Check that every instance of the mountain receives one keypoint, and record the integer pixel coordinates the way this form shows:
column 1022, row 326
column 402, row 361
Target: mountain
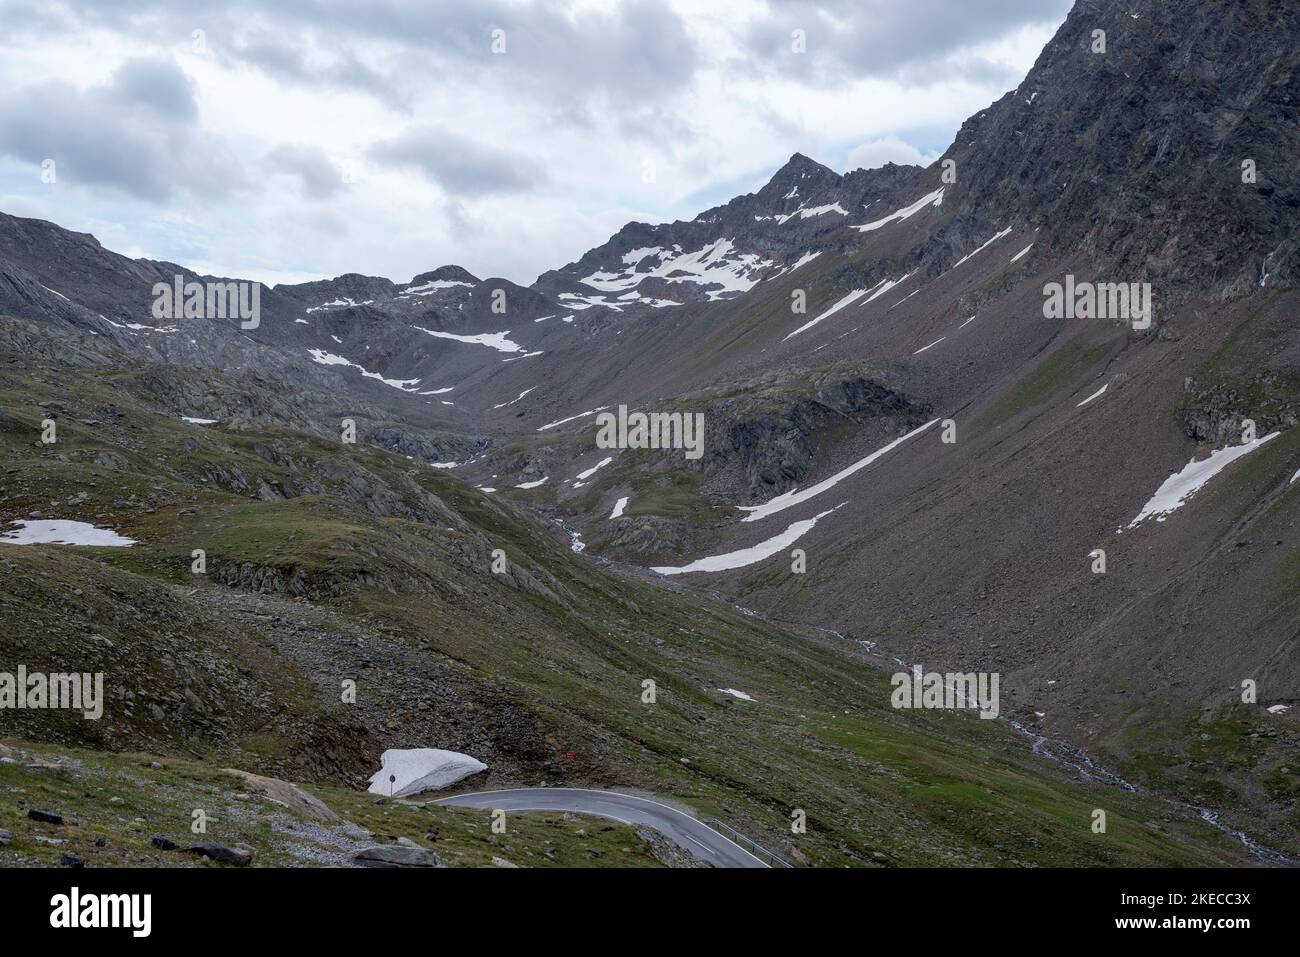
column 724, row 252
column 952, row 464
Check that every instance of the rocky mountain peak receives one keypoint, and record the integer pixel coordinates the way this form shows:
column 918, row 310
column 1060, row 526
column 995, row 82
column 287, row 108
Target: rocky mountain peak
column 1129, row 140
column 445, row 274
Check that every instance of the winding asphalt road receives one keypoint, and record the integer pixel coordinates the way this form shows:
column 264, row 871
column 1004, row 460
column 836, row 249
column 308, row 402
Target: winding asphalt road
column 682, row 829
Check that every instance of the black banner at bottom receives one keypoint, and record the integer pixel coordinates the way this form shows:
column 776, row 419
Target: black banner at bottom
column 373, row 906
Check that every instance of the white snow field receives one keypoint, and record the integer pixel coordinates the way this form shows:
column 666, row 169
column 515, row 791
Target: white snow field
column 752, row 555
column 805, row 259
column 1096, row 395
column 932, row 199
column 718, row 262
column 970, row 256
column 804, row 212
column 1181, row 486
column 795, row 497
column 421, row 769
column 736, row 694
column 885, row 286
column 583, row 476
column 572, row 418
column 321, row 357
column 499, row 341
column 619, row 507
column 429, row 288
column 846, row 301
column 60, row 532
column 339, row 304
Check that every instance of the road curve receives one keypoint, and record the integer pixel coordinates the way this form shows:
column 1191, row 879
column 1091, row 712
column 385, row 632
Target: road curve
column 682, row 829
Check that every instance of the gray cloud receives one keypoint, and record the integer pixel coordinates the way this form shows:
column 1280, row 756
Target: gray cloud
column 137, row 133
column 156, row 85
column 886, row 38
column 637, row 52
column 285, row 60
column 320, row 178
column 460, row 166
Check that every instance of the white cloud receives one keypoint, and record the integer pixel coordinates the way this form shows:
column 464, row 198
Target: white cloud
column 887, row 149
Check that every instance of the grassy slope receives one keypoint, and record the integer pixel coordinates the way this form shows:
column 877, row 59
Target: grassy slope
column 905, row 788
column 125, row 799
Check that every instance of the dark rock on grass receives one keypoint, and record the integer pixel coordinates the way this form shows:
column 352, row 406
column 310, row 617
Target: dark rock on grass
column 71, row 860
column 45, row 817
column 396, row 856
column 163, row 843
column 222, row 855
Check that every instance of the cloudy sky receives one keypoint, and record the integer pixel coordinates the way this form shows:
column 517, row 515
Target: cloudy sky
column 307, row 138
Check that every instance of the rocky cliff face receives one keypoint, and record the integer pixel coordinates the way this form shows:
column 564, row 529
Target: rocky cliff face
column 770, row 437
column 1168, row 157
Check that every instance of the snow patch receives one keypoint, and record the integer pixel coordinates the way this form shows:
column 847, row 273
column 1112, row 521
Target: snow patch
column 750, row 556
column 619, row 507
column 575, row 301
column 805, row 259
column 499, row 341
column 583, row 476
column 515, row 399
column 572, row 418
column 805, row 213
column 736, row 694
column 429, row 288
column 931, row 199
column 795, row 497
column 321, row 357
column 421, row 769
column 848, row 300
column 968, row 256
column 1181, row 486
column 1096, row 395
column 887, row 285
column 60, row 532
column 718, row 263
column 338, row 304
